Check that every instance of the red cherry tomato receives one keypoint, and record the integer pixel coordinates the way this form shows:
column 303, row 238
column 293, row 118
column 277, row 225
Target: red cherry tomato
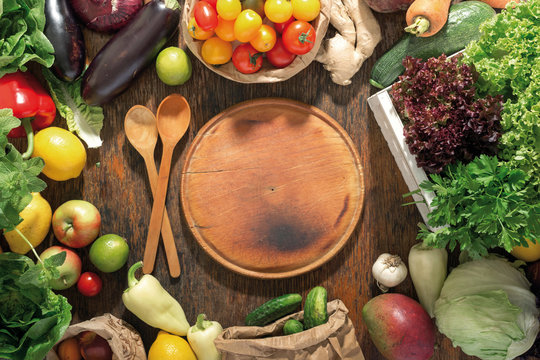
column 205, row 15
column 89, row 284
column 299, row 37
column 280, row 57
column 212, row 2
column 246, row 59
column 280, row 27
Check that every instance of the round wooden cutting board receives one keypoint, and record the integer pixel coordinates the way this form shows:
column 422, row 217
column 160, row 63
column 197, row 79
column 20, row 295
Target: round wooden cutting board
column 272, row 188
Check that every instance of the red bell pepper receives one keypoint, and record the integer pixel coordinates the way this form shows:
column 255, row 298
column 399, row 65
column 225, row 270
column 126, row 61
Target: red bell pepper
column 22, row 93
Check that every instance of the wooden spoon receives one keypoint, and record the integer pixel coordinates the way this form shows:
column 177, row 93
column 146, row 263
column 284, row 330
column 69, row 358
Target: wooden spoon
column 141, row 131
column 173, row 117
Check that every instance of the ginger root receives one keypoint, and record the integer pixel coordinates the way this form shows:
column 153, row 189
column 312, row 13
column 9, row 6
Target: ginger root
column 358, row 34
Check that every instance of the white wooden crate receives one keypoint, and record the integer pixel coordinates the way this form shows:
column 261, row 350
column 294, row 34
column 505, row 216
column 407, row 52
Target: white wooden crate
column 392, row 129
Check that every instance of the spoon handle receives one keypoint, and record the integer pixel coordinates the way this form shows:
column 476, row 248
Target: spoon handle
column 157, row 209
column 166, row 230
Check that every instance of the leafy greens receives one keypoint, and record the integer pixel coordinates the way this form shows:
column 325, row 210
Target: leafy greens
column 21, row 35
column 487, row 309
column 507, row 58
column 32, row 317
column 82, row 118
column 17, row 176
column 484, row 205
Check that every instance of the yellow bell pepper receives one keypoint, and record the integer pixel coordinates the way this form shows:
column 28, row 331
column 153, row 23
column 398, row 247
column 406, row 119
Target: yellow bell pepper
column 35, row 225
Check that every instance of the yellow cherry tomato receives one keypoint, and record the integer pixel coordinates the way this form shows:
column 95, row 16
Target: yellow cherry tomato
column 225, row 29
column 528, row 254
column 228, row 9
column 306, row 10
column 63, row 153
column 196, row 32
column 216, row 51
column 247, row 25
column 265, row 39
column 278, row 11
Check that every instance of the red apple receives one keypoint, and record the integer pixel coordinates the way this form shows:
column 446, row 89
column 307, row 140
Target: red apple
column 70, row 270
column 76, row 223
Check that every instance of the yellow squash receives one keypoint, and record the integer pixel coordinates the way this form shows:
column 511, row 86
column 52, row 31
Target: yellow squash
column 35, row 225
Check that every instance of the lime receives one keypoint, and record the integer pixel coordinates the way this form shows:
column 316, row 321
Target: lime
column 109, row 252
column 173, row 66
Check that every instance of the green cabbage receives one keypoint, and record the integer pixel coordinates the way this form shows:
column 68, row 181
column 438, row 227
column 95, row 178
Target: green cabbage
column 487, row 309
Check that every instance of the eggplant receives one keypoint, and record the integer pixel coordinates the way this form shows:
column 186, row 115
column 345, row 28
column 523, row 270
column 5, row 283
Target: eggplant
column 65, row 35
column 129, row 51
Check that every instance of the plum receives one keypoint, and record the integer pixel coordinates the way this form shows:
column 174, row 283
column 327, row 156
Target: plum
column 386, row 6
column 400, row 327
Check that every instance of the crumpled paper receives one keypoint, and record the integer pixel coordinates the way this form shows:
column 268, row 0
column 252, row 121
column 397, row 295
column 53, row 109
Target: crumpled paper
column 124, row 340
column 334, row 340
column 267, row 74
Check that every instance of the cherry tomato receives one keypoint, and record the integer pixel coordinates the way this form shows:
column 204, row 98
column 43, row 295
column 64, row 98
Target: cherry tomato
column 265, row 39
column 247, row 25
column 280, row 57
column 225, row 29
column 246, row 59
column 196, row 32
column 299, row 37
column 255, row 5
column 280, row 27
column 228, row 9
column 278, row 11
column 89, row 284
column 205, row 15
column 212, row 2
column 306, row 10
column 216, row 51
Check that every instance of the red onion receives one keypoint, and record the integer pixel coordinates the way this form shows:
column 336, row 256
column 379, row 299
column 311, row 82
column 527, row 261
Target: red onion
column 106, row 15
column 94, row 347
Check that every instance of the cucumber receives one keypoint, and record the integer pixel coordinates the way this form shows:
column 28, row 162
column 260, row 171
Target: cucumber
column 274, row 309
column 292, row 326
column 315, row 312
column 461, row 28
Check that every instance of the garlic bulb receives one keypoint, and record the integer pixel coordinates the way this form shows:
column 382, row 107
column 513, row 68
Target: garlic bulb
column 389, row 271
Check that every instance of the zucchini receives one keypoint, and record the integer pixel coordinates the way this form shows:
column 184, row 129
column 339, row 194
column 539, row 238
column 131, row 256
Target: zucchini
column 274, row 309
column 292, row 326
column 462, row 27
column 315, row 312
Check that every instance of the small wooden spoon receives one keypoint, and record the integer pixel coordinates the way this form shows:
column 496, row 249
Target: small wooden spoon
column 173, row 118
column 141, row 131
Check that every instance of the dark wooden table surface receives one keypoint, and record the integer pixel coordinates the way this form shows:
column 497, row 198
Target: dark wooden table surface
column 120, row 190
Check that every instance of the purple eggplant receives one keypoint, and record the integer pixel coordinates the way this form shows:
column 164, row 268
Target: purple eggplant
column 129, row 51
column 65, row 35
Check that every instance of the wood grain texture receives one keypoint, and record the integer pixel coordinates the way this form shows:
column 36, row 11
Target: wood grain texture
column 272, row 188
column 120, row 190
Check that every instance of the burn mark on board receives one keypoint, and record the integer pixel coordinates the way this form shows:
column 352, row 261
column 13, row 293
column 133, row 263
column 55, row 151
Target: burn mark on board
column 343, row 210
column 287, row 234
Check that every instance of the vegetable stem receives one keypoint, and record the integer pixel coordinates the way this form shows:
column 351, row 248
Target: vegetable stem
column 132, row 280
column 172, row 4
column 200, row 322
column 30, row 136
column 420, row 25
column 30, row 244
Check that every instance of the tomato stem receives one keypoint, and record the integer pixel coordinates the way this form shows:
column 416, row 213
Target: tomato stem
column 303, row 38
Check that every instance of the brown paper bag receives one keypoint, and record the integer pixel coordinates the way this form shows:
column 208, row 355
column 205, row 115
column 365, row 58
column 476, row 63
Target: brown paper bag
column 267, row 74
column 334, row 340
column 124, row 340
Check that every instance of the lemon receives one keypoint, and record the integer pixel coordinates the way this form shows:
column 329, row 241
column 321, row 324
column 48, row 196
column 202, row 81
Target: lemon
column 63, row 153
column 35, row 225
column 170, row 347
column 528, row 254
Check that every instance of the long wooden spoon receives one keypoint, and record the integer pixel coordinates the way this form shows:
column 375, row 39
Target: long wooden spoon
column 141, row 131
column 173, row 118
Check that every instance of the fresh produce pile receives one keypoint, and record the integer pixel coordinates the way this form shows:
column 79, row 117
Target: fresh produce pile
column 224, row 23
column 482, row 201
